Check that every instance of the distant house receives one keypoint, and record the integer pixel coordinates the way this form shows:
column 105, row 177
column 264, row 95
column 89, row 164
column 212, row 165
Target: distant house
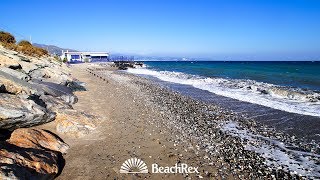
column 73, row 57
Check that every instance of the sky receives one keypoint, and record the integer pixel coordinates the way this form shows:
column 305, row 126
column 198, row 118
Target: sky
column 217, row 29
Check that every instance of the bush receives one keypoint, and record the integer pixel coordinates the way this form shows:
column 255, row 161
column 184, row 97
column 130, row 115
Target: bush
column 10, row 46
column 42, row 51
column 57, row 58
column 27, row 48
column 7, row 38
column 65, row 59
column 24, row 43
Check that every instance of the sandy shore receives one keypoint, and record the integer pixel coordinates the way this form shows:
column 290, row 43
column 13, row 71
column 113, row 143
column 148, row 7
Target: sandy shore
column 140, row 119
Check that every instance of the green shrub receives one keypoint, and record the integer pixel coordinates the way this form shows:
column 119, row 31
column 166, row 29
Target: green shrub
column 65, row 59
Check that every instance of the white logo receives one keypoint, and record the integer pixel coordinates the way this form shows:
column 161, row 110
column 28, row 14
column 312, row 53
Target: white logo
column 181, row 168
column 134, row 165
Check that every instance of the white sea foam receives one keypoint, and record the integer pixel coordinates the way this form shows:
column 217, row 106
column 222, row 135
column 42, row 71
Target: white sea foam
column 275, row 152
column 269, row 95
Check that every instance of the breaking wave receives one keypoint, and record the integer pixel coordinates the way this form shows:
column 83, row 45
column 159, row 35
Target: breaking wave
column 292, row 100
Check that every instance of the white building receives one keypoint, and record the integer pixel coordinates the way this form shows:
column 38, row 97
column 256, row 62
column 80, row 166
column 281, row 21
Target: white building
column 85, row 56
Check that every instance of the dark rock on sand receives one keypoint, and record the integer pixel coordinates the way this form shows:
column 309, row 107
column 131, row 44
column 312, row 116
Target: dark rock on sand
column 76, row 86
column 55, row 104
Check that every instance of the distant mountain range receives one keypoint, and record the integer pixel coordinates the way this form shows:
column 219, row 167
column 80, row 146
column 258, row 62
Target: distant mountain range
column 55, row 50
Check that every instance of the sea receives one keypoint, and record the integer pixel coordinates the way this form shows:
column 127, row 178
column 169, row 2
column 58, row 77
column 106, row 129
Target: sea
column 285, row 95
column 282, row 95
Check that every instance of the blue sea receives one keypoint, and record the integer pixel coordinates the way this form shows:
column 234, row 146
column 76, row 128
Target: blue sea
column 305, row 75
column 287, row 86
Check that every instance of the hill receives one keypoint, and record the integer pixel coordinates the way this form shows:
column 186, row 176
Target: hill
column 53, row 49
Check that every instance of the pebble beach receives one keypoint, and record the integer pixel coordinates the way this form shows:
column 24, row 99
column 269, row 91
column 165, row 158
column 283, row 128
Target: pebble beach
column 146, row 120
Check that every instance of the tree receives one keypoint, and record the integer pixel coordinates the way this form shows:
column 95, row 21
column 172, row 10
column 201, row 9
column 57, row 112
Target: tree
column 65, row 59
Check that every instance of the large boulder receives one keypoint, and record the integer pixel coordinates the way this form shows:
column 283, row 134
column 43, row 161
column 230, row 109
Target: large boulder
column 26, row 163
column 37, row 139
column 23, row 111
column 31, row 154
column 14, row 85
column 53, row 73
column 63, row 92
column 15, row 73
column 55, row 104
column 74, row 123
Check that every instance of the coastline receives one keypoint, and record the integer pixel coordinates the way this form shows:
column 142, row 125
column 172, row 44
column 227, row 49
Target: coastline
column 141, row 119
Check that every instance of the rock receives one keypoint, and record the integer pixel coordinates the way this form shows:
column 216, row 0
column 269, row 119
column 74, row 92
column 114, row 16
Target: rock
column 15, row 73
column 39, row 74
column 13, row 85
column 51, row 74
column 28, row 67
column 262, row 91
column 37, row 139
column 76, row 85
column 8, row 62
column 27, row 163
column 7, row 51
column 22, row 111
column 55, row 104
column 31, row 154
column 2, row 87
column 40, row 62
column 57, row 90
column 74, row 123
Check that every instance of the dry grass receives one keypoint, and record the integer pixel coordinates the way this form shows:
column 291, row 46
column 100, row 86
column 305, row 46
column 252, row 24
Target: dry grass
column 25, row 47
column 7, row 38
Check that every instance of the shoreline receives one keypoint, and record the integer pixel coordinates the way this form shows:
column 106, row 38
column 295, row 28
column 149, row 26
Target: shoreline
column 186, row 130
column 305, row 130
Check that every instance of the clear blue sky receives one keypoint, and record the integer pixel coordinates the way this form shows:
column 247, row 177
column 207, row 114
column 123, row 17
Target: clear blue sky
column 221, row 29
